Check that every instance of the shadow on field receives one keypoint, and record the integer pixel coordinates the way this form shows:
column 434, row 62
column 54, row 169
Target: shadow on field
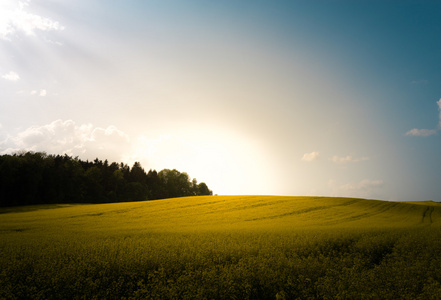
column 18, row 209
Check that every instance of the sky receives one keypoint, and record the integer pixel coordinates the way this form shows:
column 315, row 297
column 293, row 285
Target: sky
column 299, row 98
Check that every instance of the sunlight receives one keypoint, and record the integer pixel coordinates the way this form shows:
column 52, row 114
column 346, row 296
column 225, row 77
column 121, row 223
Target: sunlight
column 230, row 163
column 15, row 17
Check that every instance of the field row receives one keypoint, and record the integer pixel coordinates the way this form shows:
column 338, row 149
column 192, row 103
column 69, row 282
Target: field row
column 224, row 212
column 222, row 247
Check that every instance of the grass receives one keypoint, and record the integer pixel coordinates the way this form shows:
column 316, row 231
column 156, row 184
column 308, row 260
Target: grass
column 222, row 247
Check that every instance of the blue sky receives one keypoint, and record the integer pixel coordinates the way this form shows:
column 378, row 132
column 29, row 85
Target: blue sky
column 334, row 98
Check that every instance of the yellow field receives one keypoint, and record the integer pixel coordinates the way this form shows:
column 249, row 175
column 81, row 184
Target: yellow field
column 223, row 213
column 222, row 247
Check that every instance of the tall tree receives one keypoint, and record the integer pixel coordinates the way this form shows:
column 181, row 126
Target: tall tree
column 34, row 178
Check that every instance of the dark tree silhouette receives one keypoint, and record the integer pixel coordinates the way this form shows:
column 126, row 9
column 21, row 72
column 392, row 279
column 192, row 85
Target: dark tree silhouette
column 37, row 178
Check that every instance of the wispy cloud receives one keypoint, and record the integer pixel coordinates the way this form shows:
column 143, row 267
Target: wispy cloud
column 12, row 76
column 439, row 116
column 363, row 185
column 427, row 132
column 309, row 157
column 41, row 93
column 14, row 17
column 421, row 132
column 420, row 82
column 364, row 188
column 347, row 159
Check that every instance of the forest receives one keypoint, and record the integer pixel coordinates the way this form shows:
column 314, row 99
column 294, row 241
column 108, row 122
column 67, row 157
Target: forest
column 29, row 178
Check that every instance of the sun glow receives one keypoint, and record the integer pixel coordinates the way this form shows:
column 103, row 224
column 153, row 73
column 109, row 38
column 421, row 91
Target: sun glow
column 207, row 156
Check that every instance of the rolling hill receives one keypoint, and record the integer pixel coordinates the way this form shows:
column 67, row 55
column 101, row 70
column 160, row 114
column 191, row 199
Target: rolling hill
column 225, row 212
column 222, row 247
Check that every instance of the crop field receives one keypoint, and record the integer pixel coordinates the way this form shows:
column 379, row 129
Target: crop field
column 223, row 247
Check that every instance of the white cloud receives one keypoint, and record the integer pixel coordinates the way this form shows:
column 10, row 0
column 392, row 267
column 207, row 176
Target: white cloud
column 439, row 117
column 420, row 82
column 348, row 159
column 363, row 185
column 41, row 93
column 12, row 76
column 67, row 137
column 14, row 17
column 364, row 188
column 311, row 156
column 427, row 132
column 421, row 132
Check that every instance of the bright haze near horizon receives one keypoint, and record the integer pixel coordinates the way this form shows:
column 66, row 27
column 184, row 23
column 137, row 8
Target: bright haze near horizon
column 332, row 98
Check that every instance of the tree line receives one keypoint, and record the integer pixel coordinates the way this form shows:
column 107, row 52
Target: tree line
column 38, row 178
